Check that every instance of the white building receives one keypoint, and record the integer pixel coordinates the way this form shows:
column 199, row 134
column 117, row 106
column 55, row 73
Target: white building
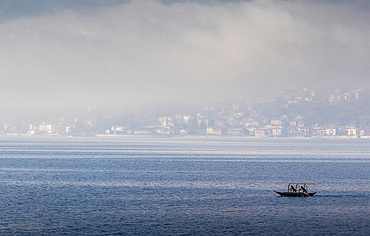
column 46, row 128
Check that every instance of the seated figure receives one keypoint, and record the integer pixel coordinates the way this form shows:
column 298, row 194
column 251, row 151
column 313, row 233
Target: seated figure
column 293, row 189
column 303, row 189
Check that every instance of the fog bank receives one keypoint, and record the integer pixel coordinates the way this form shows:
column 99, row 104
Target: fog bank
column 150, row 53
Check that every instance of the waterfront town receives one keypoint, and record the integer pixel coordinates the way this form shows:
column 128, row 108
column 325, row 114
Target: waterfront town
column 291, row 113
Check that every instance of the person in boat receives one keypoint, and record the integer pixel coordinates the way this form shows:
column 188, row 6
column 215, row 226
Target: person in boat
column 303, row 189
column 293, row 189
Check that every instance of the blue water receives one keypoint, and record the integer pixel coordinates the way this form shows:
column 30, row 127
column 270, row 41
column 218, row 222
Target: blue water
column 182, row 186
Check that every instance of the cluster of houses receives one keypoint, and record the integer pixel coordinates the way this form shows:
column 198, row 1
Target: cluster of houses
column 236, row 126
column 230, row 121
column 233, row 124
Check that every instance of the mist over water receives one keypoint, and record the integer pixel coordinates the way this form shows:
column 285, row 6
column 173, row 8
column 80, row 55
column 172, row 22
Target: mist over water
column 59, row 58
column 221, row 186
column 121, row 55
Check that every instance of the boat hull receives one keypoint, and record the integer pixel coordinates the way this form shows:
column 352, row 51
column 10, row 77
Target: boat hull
column 292, row 194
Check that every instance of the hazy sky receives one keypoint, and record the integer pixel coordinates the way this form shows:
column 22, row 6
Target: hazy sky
column 124, row 54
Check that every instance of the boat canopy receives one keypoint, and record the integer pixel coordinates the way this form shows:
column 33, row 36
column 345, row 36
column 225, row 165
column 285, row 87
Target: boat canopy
column 298, row 187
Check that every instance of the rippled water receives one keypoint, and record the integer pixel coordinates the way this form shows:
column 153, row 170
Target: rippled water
column 181, row 186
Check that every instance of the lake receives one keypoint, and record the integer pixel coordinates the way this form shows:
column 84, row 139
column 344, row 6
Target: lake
column 182, row 186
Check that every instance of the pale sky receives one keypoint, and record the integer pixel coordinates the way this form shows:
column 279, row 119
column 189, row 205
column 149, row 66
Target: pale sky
column 117, row 54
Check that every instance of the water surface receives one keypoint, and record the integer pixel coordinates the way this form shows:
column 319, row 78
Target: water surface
column 172, row 186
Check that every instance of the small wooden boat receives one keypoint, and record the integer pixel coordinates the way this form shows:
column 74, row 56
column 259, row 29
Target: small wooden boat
column 297, row 190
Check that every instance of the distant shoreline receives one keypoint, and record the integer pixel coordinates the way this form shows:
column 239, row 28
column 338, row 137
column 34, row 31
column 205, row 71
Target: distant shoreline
column 185, row 136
